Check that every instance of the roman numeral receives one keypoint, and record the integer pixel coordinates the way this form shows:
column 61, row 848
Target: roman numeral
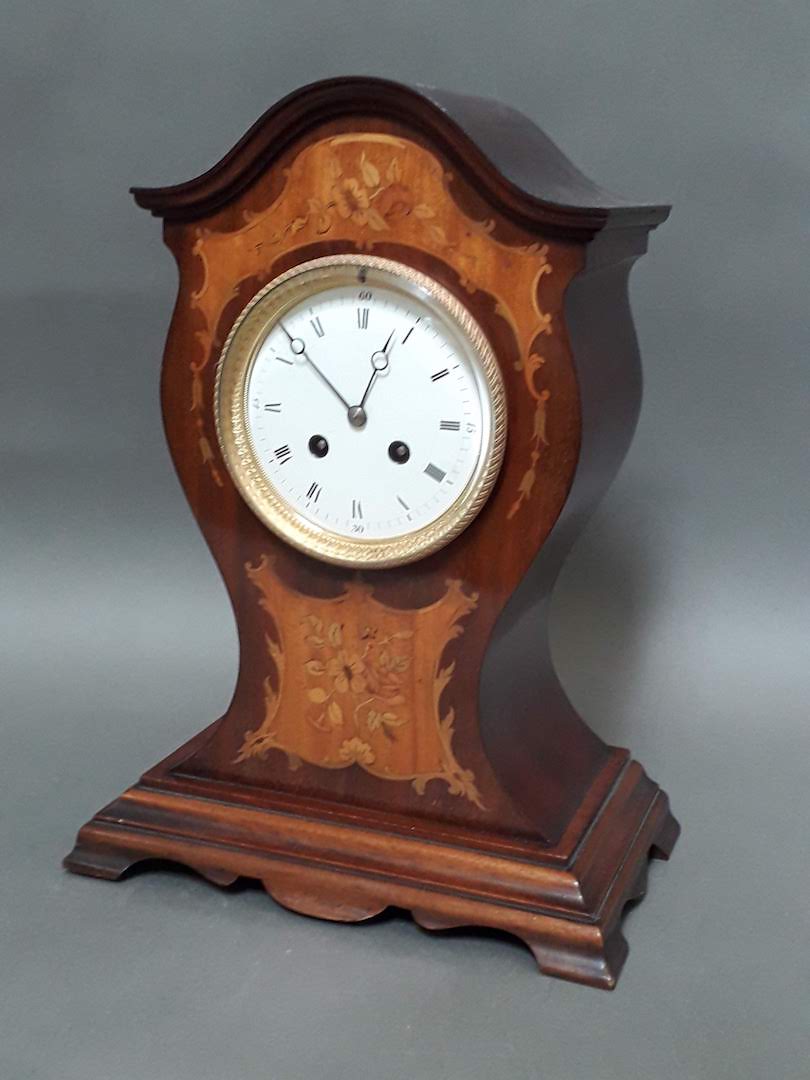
column 316, row 326
column 283, row 454
column 411, row 330
column 362, row 318
column 357, row 510
column 439, row 375
column 314, row 492
column 449, row 425
column 435, row 473
column 273, row 406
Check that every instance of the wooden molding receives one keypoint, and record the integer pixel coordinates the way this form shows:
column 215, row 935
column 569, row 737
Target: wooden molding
column 565, row 903
column 538, row 186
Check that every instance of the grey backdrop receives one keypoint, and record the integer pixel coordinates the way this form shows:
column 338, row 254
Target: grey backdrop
column 681, row 622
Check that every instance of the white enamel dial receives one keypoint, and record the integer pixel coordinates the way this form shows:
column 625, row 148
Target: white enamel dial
column 367, row 409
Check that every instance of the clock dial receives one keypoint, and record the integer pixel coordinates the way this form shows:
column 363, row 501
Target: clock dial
column 408, row 450
column 366, row 408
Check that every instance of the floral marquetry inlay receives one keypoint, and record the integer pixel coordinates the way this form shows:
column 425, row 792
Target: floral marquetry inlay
column 364, row 189
column 356, row 684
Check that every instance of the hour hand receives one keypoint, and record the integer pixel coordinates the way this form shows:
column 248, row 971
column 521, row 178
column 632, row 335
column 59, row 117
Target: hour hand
column 379, row 362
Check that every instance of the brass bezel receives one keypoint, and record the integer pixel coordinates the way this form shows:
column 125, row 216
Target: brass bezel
column 230, row 409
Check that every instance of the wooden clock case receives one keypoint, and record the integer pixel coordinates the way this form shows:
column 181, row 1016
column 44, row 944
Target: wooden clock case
column 399, row 736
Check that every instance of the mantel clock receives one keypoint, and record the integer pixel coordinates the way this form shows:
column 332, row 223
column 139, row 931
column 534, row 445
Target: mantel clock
column 400, row 373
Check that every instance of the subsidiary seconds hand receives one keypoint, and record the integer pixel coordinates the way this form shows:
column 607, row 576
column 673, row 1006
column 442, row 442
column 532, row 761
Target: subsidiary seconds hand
column 298, row 347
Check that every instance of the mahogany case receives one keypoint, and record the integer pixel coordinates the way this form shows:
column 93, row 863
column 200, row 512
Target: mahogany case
column 484, row 799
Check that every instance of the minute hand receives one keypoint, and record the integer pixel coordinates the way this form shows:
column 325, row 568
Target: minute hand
column 298, row 347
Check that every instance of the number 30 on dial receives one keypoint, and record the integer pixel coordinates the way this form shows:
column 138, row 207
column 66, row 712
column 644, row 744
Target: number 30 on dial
column 360, row 411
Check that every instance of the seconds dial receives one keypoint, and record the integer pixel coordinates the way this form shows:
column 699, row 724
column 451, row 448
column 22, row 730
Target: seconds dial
column 366, row 409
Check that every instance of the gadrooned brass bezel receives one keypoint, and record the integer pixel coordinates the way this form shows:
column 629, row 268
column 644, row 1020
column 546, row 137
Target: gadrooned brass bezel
column 230, row 407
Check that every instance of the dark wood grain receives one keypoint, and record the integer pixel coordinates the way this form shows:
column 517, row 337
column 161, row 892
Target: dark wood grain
column 495, row 147
column 528, row 822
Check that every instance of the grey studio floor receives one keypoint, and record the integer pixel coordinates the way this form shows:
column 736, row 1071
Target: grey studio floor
column 680, row 622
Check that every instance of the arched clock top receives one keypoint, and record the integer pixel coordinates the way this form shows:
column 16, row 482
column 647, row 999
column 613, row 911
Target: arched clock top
column 513, row 163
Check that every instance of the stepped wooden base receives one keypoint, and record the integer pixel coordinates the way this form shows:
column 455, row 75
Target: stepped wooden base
column 566, row 903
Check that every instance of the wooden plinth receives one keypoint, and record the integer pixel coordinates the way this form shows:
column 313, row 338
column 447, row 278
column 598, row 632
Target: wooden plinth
column 565, row 902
